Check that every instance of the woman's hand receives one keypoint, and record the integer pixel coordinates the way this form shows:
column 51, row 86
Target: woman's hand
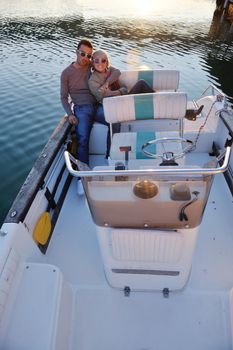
column 104, row 87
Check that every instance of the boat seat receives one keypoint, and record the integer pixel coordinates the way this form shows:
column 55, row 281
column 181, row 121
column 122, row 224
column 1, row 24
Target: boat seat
column 154, row 106
column 98, row 137
column 158, row 79
column 135, row 140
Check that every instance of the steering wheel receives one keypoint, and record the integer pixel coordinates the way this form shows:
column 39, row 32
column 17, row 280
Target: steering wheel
column 167, row 156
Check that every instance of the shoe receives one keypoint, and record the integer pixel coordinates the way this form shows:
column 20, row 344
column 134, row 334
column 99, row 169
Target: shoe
column 80, row 189
column 191, row 114
column 199, row 110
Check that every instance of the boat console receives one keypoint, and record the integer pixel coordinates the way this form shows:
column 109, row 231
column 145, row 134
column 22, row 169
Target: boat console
column 148, row 202
column 147, row 220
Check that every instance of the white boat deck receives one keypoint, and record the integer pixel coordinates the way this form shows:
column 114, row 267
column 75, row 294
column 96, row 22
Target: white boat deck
column 198, row 317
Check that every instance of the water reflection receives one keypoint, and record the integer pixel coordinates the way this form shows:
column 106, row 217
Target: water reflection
column 169, row 9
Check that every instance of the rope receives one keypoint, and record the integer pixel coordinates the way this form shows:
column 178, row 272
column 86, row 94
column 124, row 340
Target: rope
column 201, row 128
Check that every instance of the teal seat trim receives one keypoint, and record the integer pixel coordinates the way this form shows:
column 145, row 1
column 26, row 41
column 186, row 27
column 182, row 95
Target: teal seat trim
column 143, row 137
column 147, row 75
column 144, row 108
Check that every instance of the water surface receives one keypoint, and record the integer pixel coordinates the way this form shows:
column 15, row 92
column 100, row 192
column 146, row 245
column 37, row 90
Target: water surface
column 38, row 40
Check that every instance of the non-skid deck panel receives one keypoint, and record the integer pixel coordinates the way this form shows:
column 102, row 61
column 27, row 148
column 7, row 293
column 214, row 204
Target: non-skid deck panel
column 214, row 252
column 74, row 246
column 106, row 319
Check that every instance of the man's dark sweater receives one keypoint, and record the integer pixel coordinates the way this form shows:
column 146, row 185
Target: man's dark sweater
column 74, row 86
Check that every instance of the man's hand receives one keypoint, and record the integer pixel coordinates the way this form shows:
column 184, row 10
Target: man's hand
column 72, row 119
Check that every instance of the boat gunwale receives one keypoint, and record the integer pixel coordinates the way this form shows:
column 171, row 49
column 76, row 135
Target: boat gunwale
column 35, row 179
column 227, row 122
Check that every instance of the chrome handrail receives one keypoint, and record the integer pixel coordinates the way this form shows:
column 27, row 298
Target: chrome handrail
column 213, row 89
column 158, row 171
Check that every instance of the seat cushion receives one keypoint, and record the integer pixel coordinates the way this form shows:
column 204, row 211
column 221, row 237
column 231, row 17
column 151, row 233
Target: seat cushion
column 157, row 105
column 158, row 79
column 136, row 140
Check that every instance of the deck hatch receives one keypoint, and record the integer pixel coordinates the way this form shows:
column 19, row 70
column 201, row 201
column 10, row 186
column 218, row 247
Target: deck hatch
column 147, row 272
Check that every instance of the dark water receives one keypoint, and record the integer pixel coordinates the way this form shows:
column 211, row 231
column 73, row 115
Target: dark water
column 38, row 39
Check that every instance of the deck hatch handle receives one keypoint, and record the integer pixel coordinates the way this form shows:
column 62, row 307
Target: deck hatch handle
column 147, row 272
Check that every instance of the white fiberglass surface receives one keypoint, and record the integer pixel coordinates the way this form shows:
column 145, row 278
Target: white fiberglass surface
column 195, row 318
column 213, row 260
column 106, row 319
column 74, row 246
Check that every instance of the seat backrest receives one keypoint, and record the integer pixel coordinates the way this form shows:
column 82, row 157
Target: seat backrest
column 158, row 79
column 157, row 105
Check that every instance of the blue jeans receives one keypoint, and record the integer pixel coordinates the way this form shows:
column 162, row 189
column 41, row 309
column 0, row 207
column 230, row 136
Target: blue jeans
column 87, row 115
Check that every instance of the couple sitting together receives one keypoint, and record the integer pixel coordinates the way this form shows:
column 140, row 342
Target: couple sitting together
column 85, row 83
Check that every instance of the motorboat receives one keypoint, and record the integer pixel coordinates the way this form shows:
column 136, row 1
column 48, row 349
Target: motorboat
column 141, row 260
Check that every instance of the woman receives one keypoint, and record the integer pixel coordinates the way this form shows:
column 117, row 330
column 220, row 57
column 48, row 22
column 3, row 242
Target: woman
column 99, row 84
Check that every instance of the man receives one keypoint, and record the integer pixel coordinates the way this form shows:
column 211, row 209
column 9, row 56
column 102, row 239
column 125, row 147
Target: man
column 74, row 87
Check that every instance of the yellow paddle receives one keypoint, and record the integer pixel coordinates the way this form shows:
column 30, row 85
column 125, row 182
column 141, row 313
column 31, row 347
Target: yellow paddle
column 42, row 229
